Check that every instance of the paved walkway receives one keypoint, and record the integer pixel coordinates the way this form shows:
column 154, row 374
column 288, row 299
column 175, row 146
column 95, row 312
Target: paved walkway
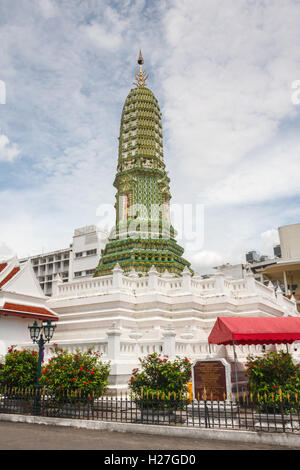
column 25, row 436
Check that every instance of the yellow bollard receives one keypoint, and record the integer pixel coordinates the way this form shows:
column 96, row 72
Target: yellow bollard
column 190, row 391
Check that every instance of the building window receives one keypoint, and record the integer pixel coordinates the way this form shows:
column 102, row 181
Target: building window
column 89, row 272
column 91, row 252
column 78, row 274
column 78, row 255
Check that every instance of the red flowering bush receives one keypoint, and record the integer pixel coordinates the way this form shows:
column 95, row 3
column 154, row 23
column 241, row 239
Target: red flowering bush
column 82, row 372
column 273, row 377
column 159, row 374
column 19, row 368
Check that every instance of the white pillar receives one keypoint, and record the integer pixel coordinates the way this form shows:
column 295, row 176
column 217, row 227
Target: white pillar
column 279, row 295
column 117, row 277
column 285, row 283
column 250, row 281
column 113, row 346
column 169, row 335
column 55, row 285
column 186, row 279
column 220, row 284
column 152, row 278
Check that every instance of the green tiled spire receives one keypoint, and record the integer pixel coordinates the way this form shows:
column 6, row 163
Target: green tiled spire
column 143, row 235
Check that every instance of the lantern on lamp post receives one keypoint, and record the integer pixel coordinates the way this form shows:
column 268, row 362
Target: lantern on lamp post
column 41, row 335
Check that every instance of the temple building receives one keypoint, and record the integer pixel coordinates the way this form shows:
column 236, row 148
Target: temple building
column 143, row 235
column 144, row 296
column 21, row 302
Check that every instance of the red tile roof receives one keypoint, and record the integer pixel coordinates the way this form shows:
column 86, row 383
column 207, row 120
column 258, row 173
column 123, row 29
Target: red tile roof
column 28, row 311
column 12, row 273
column 2, row 266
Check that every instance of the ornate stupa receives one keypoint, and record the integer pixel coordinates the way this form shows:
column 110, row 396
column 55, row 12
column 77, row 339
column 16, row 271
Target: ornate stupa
column 143, row 235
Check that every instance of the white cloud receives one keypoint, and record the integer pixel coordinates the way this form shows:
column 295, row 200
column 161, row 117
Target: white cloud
column 48, row 8
column 227, row 88
column 222, row 72
column 8, row 151
column 204, row 260
column 269, row 174
column 269, row 239
column 102, row 37
column 6, row 252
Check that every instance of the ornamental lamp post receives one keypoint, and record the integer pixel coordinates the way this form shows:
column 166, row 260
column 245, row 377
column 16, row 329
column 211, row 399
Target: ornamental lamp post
column 41, row 335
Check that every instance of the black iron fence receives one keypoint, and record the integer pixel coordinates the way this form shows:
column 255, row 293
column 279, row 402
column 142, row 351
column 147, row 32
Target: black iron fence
column 247, row 412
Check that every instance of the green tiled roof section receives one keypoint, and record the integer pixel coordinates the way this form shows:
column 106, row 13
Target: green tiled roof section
column 141, row 179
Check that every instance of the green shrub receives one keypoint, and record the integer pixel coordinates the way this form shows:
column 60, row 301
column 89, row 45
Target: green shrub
column 160, row 379
column 273, row 379
column 82, row 372
column 19, row 368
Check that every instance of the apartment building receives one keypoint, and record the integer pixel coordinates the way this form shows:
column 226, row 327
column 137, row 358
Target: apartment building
column 77, row 261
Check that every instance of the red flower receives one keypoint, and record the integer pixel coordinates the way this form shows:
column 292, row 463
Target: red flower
column 73, row 379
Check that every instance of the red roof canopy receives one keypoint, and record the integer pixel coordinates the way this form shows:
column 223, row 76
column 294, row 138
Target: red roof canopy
column 28, row 311
column 255, row 330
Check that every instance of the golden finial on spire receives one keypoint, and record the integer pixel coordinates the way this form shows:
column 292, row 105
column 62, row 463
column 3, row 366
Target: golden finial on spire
column 141, row 77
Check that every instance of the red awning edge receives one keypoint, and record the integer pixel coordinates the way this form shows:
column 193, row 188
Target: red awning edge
column 255, row 330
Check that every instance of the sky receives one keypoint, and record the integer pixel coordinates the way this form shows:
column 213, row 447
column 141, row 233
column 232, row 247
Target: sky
column 225, row 75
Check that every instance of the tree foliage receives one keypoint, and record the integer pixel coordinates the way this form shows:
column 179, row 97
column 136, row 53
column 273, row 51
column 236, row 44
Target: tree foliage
column 84, row 372
column 159, row 374
column 19, row 368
